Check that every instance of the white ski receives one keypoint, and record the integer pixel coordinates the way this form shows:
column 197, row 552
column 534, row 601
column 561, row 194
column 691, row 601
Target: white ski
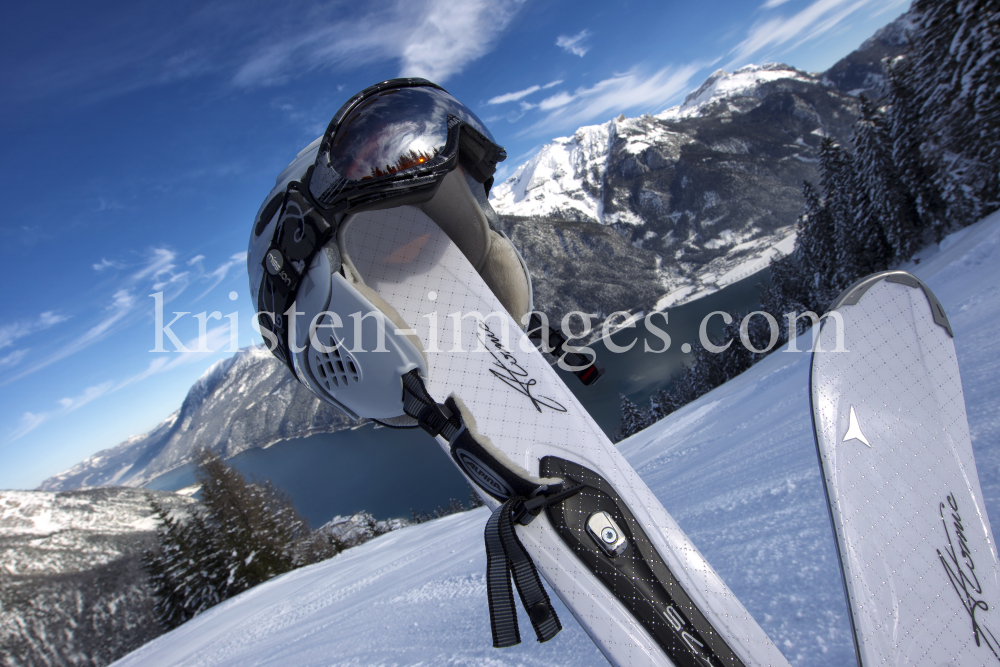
column 917, row 553
column 518, row 401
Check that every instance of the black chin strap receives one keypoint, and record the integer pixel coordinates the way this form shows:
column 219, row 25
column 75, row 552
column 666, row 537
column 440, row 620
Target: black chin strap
column 521, row 501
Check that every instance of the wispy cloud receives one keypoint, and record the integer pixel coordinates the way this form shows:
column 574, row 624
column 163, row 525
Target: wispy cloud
column 32, row 420
column 159, row 271
column 513, row 97
column 613, row 96
column 219, row 274
column 14, row 358
column 574, row 44
column 771, row 4
column 216, row 339
column 161, row 262
column 460, row 33
column 790, row 31
column 104, row 204
column 197, row 349
column 129, row 51
column 105, row 264
column 10, row 333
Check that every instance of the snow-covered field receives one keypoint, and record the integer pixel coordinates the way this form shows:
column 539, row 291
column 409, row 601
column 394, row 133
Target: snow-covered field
column 737, row 468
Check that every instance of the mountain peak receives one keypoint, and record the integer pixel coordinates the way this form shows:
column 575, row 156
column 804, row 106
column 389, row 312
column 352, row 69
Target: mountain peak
column 720, row 85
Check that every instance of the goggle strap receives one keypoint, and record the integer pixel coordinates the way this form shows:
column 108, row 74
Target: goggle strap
column 303, row 229
column 478, row 155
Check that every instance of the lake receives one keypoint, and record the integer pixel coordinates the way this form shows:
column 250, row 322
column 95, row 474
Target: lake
column 390, row 472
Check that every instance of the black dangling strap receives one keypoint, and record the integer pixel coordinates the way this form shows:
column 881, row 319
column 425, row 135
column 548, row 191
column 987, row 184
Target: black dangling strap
column 506, row 556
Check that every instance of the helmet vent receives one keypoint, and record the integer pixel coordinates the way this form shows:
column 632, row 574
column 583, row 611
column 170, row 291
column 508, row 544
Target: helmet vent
column 336, row 368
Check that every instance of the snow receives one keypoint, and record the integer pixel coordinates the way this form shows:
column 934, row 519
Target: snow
column 721, row 85
column 759, row 254
column 758, row 262
column 565, row 176
column 737, row 468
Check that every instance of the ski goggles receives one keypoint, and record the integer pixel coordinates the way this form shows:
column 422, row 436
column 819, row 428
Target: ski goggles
column 397, row 140
column 390, row 145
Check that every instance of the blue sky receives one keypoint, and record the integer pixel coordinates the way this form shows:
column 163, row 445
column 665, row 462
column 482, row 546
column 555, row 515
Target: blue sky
column 140, row 138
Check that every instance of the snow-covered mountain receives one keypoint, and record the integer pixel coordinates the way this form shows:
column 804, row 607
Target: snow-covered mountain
column 72, row 591
column 249, row 400
column 737, row 468
column 699, row 196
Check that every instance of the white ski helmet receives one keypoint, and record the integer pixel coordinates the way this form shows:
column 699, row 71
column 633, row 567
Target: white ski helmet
column 402, row 142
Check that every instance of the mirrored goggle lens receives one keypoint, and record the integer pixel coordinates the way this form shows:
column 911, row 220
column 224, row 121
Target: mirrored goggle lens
column 395, row 130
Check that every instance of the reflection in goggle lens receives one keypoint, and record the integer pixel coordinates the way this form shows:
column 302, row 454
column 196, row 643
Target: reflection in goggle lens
column 395, row 130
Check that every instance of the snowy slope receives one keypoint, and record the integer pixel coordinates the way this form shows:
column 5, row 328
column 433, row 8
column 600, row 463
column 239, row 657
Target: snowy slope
column 737, row 468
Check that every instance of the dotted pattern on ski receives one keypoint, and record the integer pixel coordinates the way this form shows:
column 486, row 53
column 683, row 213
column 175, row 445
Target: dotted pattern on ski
column 893, row 503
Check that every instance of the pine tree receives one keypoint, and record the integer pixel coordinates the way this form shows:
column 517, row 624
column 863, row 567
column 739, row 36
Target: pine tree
column 859, row 240
column 950, row 79
column 242, row 534
column 661, row 404
column 185, row 572
column 254, row 523
column 888, row 205
column 906, row 134
column 633, row 420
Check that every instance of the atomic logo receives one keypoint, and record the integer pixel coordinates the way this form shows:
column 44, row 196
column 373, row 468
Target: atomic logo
column 854, row 430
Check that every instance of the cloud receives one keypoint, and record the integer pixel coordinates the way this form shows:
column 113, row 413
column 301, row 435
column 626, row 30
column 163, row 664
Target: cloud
column 109, row 204
column 217, row 276
column 13, row 359
column 460, row 33
column 160, row 262
column 106, row 264
column 810, row 23
column 120, row 309
column 574, row 44
column 216, row 339
column 10, row 333
column 29, row 422
column 32, row 420
column 513, row 97
column 556, row 101
column 613, row 96
column 274, row 42
column 771, row 4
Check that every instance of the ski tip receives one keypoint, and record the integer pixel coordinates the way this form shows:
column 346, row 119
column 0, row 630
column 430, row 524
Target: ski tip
column 852, row 295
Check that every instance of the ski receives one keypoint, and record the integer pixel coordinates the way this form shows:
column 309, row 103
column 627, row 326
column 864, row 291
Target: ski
column 609, row 550
column 917, row 555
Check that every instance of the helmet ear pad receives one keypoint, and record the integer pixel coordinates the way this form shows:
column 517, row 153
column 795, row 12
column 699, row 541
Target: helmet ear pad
column 460, row 208
column 507, row 277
